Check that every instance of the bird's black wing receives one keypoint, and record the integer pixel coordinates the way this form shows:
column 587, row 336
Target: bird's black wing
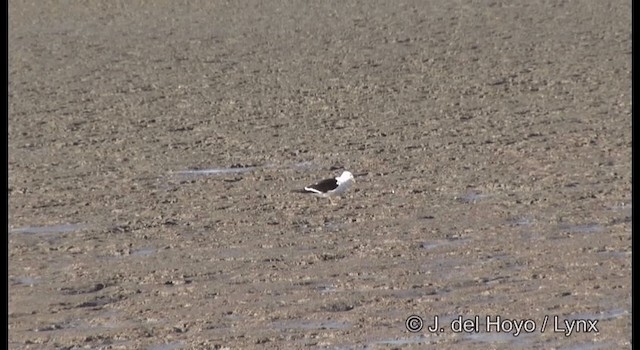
column 325, row 185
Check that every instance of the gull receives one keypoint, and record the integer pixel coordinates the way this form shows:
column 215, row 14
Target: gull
column 329, row 188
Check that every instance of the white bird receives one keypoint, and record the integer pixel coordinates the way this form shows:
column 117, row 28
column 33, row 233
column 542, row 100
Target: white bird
column 328, row 188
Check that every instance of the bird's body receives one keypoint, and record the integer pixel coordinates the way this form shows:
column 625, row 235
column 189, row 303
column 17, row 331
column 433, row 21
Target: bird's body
column 328, row 188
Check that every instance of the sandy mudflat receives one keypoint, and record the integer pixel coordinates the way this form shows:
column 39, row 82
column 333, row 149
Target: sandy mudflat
column 152, row 148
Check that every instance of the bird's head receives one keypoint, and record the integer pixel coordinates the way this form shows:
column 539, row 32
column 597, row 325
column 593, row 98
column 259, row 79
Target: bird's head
column 346, row 176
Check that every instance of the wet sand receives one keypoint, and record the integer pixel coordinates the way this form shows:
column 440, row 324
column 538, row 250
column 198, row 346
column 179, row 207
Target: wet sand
column 153, row 148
